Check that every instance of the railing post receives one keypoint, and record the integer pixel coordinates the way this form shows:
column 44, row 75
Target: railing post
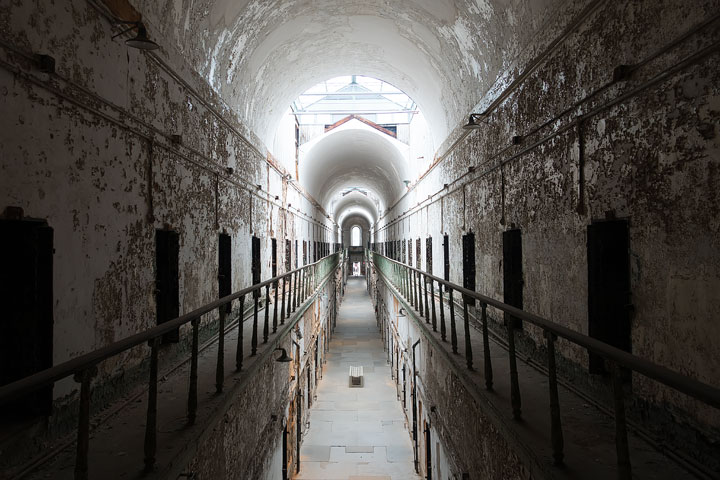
column 486, row 348
column 83, row 432
column 468, row 345
column 621, row 439
column 443, row 333
column 556, row 433
column 296, row 291
column 288, row 308
column 282, row 303
column 254, row 339
column 432, row 300
column 424, row 280
column 239, row 351
column 266, row 324
column 514, row 385
column 275, row 305
column 192, row 390
column 220, row 367
column 151, row 420
column 453, row 328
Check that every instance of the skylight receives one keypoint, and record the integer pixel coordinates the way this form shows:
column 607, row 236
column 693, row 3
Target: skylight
column 334, row 99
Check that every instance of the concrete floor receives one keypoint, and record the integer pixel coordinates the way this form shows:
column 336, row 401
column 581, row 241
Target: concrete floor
column 356, row 433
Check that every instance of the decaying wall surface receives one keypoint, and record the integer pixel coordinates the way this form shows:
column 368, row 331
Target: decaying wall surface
column 458, row 423
column 243, row 440
column 114, row 144
column 643, row 148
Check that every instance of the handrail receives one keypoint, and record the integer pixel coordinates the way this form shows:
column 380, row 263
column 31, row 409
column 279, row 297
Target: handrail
column 690, row 386
column 301, row 284
column 410, row 283
column 43, row 378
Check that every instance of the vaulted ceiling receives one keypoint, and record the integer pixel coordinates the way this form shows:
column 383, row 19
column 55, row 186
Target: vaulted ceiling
column 259, row 55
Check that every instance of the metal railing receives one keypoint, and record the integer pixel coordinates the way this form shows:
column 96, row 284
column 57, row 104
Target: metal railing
column 291, row 290
column 415, row 284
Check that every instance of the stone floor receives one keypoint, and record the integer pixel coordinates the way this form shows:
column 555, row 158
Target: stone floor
column 356, row 433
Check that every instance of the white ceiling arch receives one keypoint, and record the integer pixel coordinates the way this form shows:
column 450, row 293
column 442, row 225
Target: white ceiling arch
column 259, row 55
column 354, row 156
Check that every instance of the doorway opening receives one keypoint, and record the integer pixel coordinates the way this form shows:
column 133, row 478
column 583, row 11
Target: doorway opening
column 356, row 269
column 167, row 280
column 26, row 330
column 513, row 273
column 609, row 300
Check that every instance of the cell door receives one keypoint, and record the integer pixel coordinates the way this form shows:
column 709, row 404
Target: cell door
column 512, row 273
column 609, row 300
column 468, row 243
column 255, row 265
column 274, row 255
column 428, row 255
column 225, row 267
column 26, row 325
column 446, row 258
column 167, row 280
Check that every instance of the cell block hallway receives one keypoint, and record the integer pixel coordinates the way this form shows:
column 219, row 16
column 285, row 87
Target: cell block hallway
column 357, row 433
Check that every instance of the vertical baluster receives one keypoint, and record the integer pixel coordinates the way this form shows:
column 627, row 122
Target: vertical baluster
column 419, row 292
column 220, row 367
column 486, row 348
column 296, row 291
column 453, row 329
column 275, row 305
column 514, row 385
column 443, row 332
column 432, row 301
column 254, row 339
column 411, row 281
column 266, row 324
column 239, row 351
column 83, row 432
column 192, row 391
column 288, row 308
column 151, row 420
column 282, row 304
column 621, row 440
column 468, row 345
column 556, row 433
column 425, row 294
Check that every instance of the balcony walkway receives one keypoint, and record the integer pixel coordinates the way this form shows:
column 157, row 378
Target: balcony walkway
column 356, row 433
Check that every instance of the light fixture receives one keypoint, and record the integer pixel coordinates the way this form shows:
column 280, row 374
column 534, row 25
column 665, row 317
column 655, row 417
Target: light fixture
column 473, row 121
column 407, row 183
column 141, row 40
column 402, row 312
column 283, row 358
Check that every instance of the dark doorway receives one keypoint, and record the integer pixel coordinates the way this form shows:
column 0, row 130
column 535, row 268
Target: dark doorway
column 428, row 452
column 609, row 301
column 512, row 273
column 255, row 265
column 410, row 249
column 167, row 280
column 288, row 255
column 428, row 255
column 296, row 254
column 225, row 267
column 273, row 264
column 418, row 254
column 304, row 253
column 285, row 452
column 26, row 329
column 468, row 243
column 446, row 258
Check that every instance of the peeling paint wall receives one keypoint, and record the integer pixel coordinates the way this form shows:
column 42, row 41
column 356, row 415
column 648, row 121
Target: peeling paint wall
column 113, row 145
column 648, row 151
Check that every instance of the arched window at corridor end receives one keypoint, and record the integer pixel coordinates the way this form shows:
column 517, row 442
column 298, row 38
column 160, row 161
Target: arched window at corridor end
column 355, row 237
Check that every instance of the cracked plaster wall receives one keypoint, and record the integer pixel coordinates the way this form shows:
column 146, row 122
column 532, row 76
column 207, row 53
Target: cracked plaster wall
column 651, row 158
